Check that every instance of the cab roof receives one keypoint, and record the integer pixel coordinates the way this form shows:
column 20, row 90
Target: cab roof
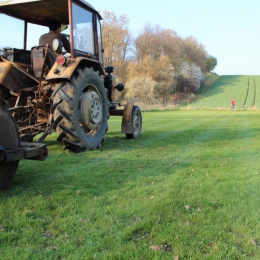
column 41, row 11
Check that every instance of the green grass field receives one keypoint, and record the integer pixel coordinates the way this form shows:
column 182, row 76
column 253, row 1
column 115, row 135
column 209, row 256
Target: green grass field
column 187, row 188
column 219, row 95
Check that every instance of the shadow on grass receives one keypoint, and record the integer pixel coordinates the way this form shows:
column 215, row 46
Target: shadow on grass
column 120, row 161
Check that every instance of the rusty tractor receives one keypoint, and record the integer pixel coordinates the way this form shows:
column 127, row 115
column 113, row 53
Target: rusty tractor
column 44, row 88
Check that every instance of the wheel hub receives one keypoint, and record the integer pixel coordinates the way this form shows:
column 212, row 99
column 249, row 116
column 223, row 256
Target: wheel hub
column 95, row 111
column 91, row 110
column 136, row 124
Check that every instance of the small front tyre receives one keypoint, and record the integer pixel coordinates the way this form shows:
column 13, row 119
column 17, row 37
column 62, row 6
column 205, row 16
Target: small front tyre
column 136, row 122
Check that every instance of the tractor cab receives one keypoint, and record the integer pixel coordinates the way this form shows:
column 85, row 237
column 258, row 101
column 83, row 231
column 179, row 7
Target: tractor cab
column 81, row 20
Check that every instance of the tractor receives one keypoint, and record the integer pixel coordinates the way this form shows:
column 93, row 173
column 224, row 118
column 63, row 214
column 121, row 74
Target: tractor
column 44, row 88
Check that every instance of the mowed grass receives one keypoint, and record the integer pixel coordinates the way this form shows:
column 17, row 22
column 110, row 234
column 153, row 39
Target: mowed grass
column 225, row 88
column 187, row 188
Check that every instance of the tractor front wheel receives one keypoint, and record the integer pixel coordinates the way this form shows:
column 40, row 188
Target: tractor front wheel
column 136, row 122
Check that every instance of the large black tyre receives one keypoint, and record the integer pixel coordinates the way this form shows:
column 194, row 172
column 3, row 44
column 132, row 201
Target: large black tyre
column 136, row 122
column 3, row 94
column 80, row 111
column 9, row 140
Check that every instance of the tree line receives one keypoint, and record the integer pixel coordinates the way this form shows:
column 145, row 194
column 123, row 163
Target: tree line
column 156, row 63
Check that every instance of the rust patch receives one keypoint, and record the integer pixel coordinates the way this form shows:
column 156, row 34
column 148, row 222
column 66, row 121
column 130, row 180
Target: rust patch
column 5, row 68
column 126, row 127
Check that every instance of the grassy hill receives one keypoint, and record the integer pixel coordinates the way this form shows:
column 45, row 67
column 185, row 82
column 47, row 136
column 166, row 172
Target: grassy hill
column 246, row 90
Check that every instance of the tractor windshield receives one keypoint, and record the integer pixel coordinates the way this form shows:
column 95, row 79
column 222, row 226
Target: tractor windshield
column 83, row 35
column 99, row 35
column 85, row 23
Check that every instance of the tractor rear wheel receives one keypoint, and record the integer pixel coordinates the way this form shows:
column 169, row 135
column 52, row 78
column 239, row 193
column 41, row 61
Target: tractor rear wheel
column 9, row 140
column 136, row 122
column 80, row 111
column 3, row 94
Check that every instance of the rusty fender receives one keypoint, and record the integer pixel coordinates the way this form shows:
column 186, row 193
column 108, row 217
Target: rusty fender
column 4, row 70
column 126, row 126
column 65, row 72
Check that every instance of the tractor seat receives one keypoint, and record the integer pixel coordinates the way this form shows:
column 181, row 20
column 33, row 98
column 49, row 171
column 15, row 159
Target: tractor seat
column 43, row 59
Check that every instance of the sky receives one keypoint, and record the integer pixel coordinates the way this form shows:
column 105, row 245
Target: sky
column 228, row 29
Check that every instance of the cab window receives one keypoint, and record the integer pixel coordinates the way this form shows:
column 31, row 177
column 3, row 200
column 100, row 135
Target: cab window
column 83, row 36
column 13, row 34
column 100, row 47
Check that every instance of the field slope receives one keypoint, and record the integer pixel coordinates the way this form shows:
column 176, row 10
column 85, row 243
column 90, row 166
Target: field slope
column 246, row 90
column 188, row 188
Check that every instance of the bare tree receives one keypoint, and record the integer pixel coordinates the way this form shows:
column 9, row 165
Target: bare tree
column 117, row 41
column 161, row 59
column 160, row 71
column 211, row 63
column 189, row 78
column 194, row 52
column 140, row 87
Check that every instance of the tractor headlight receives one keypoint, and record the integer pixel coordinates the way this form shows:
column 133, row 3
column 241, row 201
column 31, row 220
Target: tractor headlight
column 57, row 46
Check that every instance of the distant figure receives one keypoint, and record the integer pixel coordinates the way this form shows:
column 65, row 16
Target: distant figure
column 54, row 33
column 233, row 101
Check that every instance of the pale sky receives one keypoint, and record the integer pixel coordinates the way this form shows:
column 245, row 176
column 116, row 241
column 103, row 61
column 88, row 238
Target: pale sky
column 229, row 29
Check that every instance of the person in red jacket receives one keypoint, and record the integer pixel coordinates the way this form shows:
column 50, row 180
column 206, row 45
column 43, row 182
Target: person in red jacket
column 233, row 101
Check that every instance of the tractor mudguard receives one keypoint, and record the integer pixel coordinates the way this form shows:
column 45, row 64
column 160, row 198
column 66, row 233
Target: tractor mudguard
column 66, row 72
column 15, row 77
column 126, row 127
column 5, row 68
